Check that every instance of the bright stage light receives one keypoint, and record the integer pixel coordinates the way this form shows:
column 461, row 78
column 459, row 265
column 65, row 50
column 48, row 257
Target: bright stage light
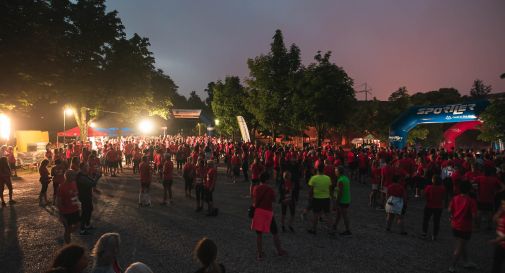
column 92, row 125
column 5, row 127
column 69, row 111
column 216, row 121
column 146, row 126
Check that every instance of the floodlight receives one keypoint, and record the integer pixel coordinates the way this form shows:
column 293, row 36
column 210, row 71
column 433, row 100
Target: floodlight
column 5, row 127
column 146, row 126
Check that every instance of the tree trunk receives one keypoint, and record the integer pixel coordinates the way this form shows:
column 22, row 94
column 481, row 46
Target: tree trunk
column 273, row 134
column 320, row 134
column 82, row 122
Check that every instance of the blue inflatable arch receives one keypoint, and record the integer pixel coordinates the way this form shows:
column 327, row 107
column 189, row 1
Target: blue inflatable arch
column 449, row 113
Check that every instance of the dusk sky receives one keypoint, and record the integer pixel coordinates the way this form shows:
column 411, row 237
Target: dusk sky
column 423, row 45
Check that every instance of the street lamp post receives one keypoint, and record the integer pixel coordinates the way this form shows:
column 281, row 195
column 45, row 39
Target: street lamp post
column 66, row 112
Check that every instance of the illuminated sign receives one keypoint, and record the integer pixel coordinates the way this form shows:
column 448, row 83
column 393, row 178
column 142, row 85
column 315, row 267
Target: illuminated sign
column 455, row 109
column 461, row 112
column 186, row 113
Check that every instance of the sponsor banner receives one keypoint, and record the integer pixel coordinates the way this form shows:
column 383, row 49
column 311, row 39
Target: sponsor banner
column 244, row 131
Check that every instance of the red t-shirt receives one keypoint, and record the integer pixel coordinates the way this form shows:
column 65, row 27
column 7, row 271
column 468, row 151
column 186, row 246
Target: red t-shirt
column 210, row 181
column 396, row 190
column 488, row 187
column 435, row 195
column 68, row 198
column 462, row 208
column 263, row 196
column 376, row 176
column 387, row 173
column 168, row 170
column 235, row 160
column 256, row 170
column 145, row 173
column 58, row 174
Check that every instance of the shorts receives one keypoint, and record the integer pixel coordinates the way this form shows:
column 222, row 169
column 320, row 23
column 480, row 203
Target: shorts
column 343, row 206
column 321, row 204
column 209, row 196
column 111, row 164
column 465, row 235
column 375, row 187
column 236, row 171
column 71, row 218
column 5, row 182
column 12, row 165
column 199, row 191
column 485, row 206
column 167, row 182
column 188, row 183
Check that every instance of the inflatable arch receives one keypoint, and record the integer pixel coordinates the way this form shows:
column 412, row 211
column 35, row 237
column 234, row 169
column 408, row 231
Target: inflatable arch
column 456, row 130
column 460, row 112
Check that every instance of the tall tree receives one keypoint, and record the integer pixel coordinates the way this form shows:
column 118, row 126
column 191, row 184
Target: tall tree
column 271, row 84
column 325, row 95
column 228, row 103
column 479, row 89
column 493, row 126
column 210, row 93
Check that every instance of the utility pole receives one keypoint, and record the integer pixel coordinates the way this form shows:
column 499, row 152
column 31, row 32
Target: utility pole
column 365, row 90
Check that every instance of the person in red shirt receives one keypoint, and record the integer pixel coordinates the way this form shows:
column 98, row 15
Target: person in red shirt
column 58, row 176
column 145, row 171
column 375, row 181
column 435, row 196
column 257, row 169
column 168, row 179
column 287, row 201
column 201, row 172
column 12, row 161
column 499, row 251
column 5, row 180
column 68, row 204
column 396, row 204
column 463, row 210
column 235, row 166
column 487, row 188
column 189, row 174
column 112, row 160
column 387, row 173
column 45, row 179
column 210, row 185
column 362, row 167
column 263, row 220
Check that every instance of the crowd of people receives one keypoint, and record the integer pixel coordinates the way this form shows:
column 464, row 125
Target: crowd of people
column 469, row 183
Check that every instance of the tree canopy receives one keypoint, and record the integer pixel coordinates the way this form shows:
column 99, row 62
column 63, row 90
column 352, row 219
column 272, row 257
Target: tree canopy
column 76, row 54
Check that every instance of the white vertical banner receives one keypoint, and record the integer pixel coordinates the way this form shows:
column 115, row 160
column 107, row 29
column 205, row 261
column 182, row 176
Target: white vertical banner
column 243, row 129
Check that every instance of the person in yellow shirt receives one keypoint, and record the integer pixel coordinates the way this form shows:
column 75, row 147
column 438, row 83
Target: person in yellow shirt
column 320, row 190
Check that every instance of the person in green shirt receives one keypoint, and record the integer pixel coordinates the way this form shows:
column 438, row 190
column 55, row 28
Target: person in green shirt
column 320, row 186
column 343, row 200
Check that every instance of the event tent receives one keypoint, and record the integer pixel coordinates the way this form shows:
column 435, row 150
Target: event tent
column 75, row 132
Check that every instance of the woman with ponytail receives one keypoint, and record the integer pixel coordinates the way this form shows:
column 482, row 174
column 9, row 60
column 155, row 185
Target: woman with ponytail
column 206, row 252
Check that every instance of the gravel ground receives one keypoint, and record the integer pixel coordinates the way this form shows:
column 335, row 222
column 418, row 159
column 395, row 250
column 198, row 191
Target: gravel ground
column 163, row 237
